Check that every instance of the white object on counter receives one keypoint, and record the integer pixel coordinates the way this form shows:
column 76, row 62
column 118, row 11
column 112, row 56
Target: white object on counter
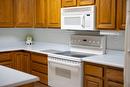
column 12, row 78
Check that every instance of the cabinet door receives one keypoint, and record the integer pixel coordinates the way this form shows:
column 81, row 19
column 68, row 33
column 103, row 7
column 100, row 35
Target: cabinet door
column 92, row 82
column 114, row 84
column 21, row 61
column 69, row 3
column 121, row 14
column 54, row 10
column 40, row 13
column 6, row 60
column 106, row 14
column 85, row 2
column 39, row 66
column 6, row 13
column 24, row 13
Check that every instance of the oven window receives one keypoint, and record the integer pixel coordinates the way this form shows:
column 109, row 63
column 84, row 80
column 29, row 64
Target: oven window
column 63, row 72
column 72, row 20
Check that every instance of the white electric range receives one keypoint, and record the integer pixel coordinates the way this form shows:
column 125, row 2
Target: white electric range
column 65, row 68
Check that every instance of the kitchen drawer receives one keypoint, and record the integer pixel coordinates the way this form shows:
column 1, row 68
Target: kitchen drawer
column 114, row 84
column 114, row 75
column 90, row 81
column 39, row 58
column 39, row 67
column 7, row 63
column 93, row 70
column 43, row 77
column 4, row 57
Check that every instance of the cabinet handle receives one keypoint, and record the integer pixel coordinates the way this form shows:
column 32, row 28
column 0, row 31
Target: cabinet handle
column 83, row 22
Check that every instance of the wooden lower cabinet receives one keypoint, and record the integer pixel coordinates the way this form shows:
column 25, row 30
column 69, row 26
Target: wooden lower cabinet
column 90, row 81
column 28, row 85
column 114, row 84
column 6, row 60
column 96, row 75
column 21, row 61
column 39, row 67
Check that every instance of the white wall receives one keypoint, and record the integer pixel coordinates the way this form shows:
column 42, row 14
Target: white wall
column 10, row 37
column 63, row 37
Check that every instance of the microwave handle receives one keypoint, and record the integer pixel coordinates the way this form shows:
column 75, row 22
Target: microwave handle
column 83, row 22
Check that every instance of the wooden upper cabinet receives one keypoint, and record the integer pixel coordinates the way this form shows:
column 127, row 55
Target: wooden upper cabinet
column 85, row 2
column 106, row 14
column 6, row 13
column 24, row 13
column 53, row 13
column 69, row 3
column 40, row 13
column 121, row 14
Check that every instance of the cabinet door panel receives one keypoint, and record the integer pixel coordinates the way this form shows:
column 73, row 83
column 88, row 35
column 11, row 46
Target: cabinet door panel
column 92, row 82
column 121, row 14
column 54, row 10
column 114, row 84
column 24, row 13
column 69, row 3
column 114, row 75
column 6, row 13
column 85, row 2
column 106, row 14
column 21, row 61
column 40, row 13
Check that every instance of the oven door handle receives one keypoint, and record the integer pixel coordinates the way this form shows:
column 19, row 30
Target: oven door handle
column 54, row 64
column 77, row 64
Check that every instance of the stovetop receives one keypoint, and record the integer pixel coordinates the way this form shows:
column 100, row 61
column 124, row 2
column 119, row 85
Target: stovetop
column 69, row 53
column 75, row 54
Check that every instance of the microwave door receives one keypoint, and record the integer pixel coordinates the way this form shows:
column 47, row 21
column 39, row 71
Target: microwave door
column 72, row 22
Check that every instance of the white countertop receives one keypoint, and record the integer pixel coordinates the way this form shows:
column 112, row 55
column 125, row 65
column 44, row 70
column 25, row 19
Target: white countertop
column 12, row 78
column 112, row 58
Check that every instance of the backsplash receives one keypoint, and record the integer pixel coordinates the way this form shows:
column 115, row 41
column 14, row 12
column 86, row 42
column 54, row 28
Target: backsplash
column 11, row 37
column 54, row 36
column 114, row 42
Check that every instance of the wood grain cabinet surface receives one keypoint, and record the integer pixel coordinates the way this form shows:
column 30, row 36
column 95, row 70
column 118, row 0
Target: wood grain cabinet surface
column 69, row 3
column 6, row 13
column 53, row 13
column 21, row 61
column 114, row 84
column 85, row 2
column 6, row 60
column 111, row 14
column 106, row 14
column 39, row 67
column 121, row 14
column 96, row 75
column 93, row 82
column 24, row 13
column 40, row 13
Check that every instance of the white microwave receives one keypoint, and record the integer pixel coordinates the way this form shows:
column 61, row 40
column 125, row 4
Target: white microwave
column 78, row 18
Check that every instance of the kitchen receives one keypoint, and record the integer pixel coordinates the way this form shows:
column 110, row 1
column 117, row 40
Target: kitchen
column 35, row 39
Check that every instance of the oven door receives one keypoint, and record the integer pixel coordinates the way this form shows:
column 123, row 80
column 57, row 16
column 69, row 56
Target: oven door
column 73, row 22
column 64, row 75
